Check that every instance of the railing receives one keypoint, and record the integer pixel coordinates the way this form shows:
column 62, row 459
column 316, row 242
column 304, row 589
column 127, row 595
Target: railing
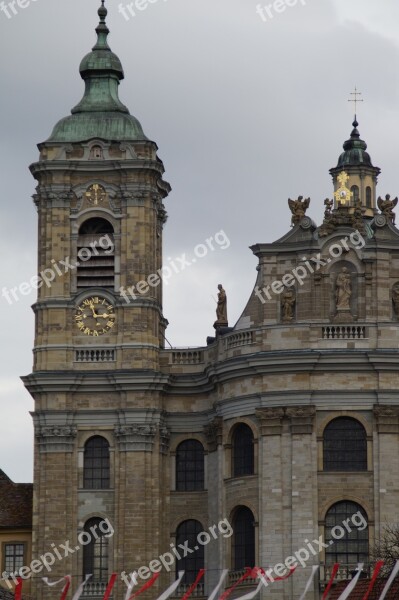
column 234, row 576
column 95, row 355
column 243, row 338
column 183, row 588
column 344, row 332
column 94, row 588
column 344, row 573
column 187, row 357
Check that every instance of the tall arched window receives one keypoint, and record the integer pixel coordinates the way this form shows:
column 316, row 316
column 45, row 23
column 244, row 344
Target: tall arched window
column 355, row 192
column 368, row 197
column 346, row 535
column 95, row 552
column 243, row 539
column 188, row 531
column 243, row 451
column 96, row 473
column 345, row 445
column 96, row 254
column 190, row 466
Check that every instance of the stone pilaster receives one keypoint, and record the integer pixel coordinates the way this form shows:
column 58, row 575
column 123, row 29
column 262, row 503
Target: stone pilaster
column 271, row 420
column 135, row 437
column 214, row 433
column 303, row 524
column 386, row 466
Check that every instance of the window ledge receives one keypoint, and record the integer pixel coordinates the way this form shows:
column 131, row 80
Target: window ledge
column 240, row 477
column 96, row 490
column 189, row 491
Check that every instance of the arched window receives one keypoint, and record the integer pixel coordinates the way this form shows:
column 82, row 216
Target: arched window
column 243, row 451
column 368, row 197
column 346, row 535
column 187, row 534
column 355, row 192
column 96, row 464
column 95, row 552
column 96, row 254
column 345, row 445
column 243, row 539
column 190, row 466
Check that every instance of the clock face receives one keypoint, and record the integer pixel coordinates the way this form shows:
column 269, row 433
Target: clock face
column 96, row 194
column 95, row 316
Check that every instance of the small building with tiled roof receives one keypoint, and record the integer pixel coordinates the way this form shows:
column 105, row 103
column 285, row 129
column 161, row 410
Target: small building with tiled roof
column 15, row 530
column 361, row 588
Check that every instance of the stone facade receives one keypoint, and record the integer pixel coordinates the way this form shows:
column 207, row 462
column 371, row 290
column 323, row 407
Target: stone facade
column 285, row 380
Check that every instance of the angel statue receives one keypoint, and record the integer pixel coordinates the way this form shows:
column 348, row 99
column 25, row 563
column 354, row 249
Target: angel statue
column 386, row 207
column 298, row 209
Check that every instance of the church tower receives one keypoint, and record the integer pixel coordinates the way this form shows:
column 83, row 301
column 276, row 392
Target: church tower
column 99, row 433
column 361, row 178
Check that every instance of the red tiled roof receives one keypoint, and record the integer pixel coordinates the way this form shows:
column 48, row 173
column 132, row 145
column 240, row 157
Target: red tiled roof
column 361, row 588
column 15, row 504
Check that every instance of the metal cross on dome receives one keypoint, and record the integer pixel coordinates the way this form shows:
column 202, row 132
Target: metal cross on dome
column 355, row 99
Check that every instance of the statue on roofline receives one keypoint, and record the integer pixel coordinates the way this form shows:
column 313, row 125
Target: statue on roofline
column 386, row 207
column 221, row 308
column 298, row 208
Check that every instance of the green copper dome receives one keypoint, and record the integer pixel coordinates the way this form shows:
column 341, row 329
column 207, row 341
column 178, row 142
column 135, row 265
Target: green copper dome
column 100, row 113
column 355, row 150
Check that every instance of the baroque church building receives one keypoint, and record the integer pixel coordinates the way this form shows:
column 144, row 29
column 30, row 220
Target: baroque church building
column 282, row 429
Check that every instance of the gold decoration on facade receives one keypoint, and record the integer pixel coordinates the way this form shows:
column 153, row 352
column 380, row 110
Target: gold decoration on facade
column 96, row 194
column 343, row 195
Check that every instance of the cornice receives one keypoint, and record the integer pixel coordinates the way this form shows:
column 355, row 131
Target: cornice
column 259, row 364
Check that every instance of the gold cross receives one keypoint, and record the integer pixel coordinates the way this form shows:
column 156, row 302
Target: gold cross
column 355, row 99
column 343, row 178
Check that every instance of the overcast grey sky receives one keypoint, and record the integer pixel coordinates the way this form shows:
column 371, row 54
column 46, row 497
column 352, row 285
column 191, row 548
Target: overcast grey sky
column 246, row 113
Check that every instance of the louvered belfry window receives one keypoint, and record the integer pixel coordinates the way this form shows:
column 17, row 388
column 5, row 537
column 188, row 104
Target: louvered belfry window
column 96, row 254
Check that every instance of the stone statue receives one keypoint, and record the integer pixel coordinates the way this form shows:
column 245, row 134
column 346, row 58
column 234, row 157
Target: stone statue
column 357, row 217
column 343, row 290
column 221, row 309
column 395, row 299
column 386, row 207
column 329, row 206
column 298, row 209
column 288, row 301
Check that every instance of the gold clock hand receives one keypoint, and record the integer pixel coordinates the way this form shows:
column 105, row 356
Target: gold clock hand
column 95, row 315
